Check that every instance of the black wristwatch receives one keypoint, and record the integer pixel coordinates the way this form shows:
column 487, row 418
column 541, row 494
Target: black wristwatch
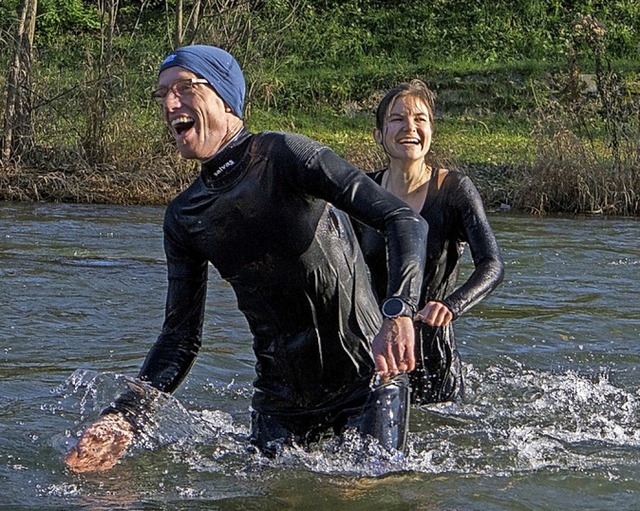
column 394, row 307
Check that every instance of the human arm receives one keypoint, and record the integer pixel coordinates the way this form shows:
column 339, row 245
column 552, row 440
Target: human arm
column 327, row 176
column 106, row 440
column 331, row 178
column 488, row 264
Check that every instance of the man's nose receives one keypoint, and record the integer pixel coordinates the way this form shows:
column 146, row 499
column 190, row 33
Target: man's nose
column 171, row 100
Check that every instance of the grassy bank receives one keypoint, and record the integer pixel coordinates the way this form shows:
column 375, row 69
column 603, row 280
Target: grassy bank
column 489, row 148
column 540, row 106
column 550, row 155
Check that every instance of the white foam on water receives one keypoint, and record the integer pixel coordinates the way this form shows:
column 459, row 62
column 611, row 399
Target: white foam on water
column 512, row 420
column 516, row 419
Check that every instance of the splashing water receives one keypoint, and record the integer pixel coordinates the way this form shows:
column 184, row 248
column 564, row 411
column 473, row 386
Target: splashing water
column 512, row 420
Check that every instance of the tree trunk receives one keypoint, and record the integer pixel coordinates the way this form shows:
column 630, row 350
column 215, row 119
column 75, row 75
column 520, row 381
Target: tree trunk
column 178, row 34
column 17, row 136
column 100, row 77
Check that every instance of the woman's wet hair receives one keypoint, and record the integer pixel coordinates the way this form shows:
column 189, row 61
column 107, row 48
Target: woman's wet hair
column 414, row 89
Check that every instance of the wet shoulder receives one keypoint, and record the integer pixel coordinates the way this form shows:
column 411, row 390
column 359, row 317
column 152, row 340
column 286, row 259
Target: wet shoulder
column 459, row 193
column 454, row 184
column 448, row 178
column 278, row 145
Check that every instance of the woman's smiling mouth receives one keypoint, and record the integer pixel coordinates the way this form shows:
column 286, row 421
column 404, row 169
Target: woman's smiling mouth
column 409, row 140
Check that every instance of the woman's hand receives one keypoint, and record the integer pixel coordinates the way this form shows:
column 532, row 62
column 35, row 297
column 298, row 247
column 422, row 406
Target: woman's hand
column 101, row 445
column 435, row 314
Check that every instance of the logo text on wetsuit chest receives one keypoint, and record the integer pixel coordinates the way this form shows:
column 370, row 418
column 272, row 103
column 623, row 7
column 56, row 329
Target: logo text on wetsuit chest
column 223, row 167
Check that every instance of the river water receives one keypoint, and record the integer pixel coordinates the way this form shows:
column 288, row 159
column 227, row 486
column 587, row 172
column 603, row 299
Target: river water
column 552, row 364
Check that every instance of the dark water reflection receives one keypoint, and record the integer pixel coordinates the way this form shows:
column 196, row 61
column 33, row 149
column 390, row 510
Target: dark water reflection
column 550, row 420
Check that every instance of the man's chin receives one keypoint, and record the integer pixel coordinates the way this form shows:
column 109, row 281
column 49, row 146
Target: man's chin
column 186, row 151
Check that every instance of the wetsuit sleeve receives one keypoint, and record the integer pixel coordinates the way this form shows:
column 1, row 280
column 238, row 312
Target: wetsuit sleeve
column 176, row 348
column 327, row 176
column 488, row 263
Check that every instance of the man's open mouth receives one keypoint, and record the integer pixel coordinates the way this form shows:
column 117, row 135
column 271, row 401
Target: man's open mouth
column 182, row 124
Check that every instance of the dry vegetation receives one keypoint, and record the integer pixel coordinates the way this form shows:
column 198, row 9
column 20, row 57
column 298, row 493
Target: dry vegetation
column 155, row 183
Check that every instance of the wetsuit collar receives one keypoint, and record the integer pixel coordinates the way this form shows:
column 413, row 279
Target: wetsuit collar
column 222, row 170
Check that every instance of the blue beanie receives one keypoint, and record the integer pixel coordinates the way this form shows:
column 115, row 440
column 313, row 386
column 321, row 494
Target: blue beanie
column 216, row 66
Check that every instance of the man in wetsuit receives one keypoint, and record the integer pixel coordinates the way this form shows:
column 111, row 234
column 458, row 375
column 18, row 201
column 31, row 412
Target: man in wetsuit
column 270, row 212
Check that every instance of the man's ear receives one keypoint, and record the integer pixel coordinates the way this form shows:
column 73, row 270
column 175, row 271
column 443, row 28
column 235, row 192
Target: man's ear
column 377, row 136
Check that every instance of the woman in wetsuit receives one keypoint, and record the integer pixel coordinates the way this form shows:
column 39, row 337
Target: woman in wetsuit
column 453, row 209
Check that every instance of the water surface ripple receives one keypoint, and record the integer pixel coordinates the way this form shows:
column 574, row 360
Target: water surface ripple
column 550, row 419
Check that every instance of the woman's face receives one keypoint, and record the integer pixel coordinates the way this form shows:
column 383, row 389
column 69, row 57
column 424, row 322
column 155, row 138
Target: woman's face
column 199, row 121
column 407, row 130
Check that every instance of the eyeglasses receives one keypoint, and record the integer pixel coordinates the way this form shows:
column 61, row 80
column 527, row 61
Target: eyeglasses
column 180, row 88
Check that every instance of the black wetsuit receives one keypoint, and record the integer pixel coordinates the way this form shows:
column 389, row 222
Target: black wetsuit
column 268, row 212
column 456, row 217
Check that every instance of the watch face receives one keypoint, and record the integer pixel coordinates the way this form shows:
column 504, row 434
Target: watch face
column 392, row 307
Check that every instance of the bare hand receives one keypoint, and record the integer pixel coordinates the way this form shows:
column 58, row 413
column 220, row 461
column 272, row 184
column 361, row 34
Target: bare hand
column 393, row 347
column 101, row 445
column 435, row 314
